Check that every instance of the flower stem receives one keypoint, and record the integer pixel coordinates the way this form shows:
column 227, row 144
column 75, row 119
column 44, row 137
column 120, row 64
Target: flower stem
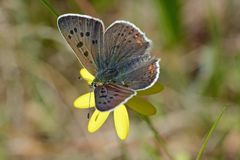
column 159, row 139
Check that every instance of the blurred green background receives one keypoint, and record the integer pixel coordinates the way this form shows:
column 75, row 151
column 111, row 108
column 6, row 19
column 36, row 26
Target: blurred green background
column 198, row 42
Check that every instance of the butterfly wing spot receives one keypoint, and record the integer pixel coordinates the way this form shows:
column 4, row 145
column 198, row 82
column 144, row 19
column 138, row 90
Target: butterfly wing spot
column 87, row 34
column 152, row 69
column 69, row 37
column 75, row 29
column 136, row 36
column 85, row 53
column 131, row 31
column 103, row 91
column 71, row 31
column 81, row 34
column 80, row 44
column 94, row 41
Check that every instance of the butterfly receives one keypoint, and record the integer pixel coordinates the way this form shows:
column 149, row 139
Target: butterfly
column 118, row 57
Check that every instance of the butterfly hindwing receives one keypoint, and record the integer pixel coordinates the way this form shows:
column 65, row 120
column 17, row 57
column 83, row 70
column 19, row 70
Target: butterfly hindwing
column 143, row 76
column 109, row 96
column 85, row 36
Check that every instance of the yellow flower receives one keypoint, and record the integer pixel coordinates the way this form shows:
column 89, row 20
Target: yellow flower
column 120, row 114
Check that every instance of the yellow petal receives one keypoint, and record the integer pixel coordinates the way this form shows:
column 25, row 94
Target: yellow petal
column 83, row 101
column 156, row 88
column 97, row 120
column 121, row 122
column 141, row 106
column 86, row 75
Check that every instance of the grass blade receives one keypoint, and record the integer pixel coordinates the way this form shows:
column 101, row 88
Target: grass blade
column 49, row 7
column 205, row 142
column 170, row 20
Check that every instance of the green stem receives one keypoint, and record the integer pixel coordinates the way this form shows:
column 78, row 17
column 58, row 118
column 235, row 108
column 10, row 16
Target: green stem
column 49, row 7
column 160, row 140
column 205, row 142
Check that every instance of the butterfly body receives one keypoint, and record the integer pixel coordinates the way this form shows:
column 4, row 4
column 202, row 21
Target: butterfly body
column 118, row 57
column 107, row 75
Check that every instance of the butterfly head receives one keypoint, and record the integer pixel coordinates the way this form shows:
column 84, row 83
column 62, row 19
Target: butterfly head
column 96, row 83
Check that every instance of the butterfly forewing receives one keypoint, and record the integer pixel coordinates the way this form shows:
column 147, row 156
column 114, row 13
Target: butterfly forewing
column 85, row 36
column 109, row 96
column 124, row 41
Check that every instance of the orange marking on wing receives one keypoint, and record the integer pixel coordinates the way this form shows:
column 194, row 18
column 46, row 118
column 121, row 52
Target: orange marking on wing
column 151, row 69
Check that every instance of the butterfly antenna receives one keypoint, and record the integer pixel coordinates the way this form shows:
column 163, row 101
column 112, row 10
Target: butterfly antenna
column 88, row 115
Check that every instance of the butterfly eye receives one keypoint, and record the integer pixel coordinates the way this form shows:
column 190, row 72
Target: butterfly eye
column 93, row 85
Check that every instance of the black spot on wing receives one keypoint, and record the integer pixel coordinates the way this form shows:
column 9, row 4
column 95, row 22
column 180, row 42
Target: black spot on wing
column 94, row 41
column 81, row 34
column 85, row 53
column 75, row 29
column 80, row 44
column 103, row 91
